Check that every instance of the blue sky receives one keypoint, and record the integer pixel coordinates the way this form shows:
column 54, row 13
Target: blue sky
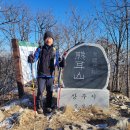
column 61, row 8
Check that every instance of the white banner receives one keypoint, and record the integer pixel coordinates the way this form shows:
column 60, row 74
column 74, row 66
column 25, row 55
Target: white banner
column 25, row 49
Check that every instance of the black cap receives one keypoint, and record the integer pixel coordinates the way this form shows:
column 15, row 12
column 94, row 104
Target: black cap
column 48, row 34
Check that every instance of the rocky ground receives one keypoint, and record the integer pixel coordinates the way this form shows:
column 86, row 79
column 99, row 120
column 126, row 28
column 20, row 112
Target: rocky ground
column 19, row 115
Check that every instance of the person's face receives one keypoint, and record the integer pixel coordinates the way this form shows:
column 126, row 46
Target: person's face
column 49, row 41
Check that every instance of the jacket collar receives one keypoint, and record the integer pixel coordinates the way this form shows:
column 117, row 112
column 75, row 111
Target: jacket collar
column 47, row 47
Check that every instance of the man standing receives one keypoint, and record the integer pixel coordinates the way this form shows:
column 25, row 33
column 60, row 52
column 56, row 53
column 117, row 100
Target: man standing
column 46, row 56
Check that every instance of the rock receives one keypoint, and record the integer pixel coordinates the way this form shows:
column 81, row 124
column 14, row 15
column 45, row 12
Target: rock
column 129, row 111
column 67, row 127
column 122, row 124
column 9, row 122
column 26, row 102
column 124, row 107
column 117, row 96
column 113, row 115
column 90, row 128
column 48, row 129
column 6, row 108
column 15, row 91
column 84, row 127
column 10, row 105
column 2, row 116
column 121, row 104
column 90, row 114
column 60, row 129
column 101, row 126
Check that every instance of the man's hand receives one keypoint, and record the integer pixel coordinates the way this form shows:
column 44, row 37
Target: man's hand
column 31, row 58
column 62, row 60
column 64, row 54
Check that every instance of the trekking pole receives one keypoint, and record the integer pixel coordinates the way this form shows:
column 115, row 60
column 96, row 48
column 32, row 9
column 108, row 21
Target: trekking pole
column 33, row 89
column 34, row 96
column 59, row 86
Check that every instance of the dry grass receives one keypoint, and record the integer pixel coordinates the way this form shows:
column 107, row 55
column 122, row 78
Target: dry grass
column 78, row 117
column 69, row 116
column 128, row 127
column 29, row 121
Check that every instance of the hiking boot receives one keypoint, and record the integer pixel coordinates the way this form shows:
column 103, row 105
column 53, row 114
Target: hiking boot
column 47, row 110
column 40, row 111
column 39, row 107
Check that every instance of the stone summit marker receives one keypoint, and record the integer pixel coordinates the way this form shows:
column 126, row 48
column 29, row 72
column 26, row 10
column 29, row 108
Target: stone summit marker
column 85, row 77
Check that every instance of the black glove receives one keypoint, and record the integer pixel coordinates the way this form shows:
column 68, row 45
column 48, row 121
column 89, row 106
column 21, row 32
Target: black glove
column 31, row 58
column 59, row 59
column 62, row 62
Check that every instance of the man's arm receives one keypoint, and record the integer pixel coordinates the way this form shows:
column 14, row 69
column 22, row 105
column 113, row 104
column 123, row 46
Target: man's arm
column 34, row 57
column 37, row 54
column 56, row 61
column 60, row 62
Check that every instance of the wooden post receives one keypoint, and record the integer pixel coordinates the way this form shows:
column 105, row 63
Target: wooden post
column 18, row 67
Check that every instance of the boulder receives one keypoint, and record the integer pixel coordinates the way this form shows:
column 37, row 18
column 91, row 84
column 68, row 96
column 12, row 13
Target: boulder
column 2, row 116
column 124, row 107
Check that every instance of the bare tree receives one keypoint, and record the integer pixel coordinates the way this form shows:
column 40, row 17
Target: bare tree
column 78, row 29
column 25, row 24
column 62, row 37
column 10, row 18
column 127, row 45
column 43, row 21
column 15, row 23
column 81, row 27
column 20, row 25
column 113, row 18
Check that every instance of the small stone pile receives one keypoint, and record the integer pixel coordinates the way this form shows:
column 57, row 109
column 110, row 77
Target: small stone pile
column 121, row 103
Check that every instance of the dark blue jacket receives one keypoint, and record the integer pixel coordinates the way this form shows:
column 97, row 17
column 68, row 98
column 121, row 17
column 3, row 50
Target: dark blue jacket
column 47, row 61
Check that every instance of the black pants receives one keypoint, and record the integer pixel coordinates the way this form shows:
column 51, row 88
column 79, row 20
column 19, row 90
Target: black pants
column 42, row 84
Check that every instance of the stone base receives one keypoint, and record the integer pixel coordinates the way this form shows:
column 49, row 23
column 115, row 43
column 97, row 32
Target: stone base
column 83, row 97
